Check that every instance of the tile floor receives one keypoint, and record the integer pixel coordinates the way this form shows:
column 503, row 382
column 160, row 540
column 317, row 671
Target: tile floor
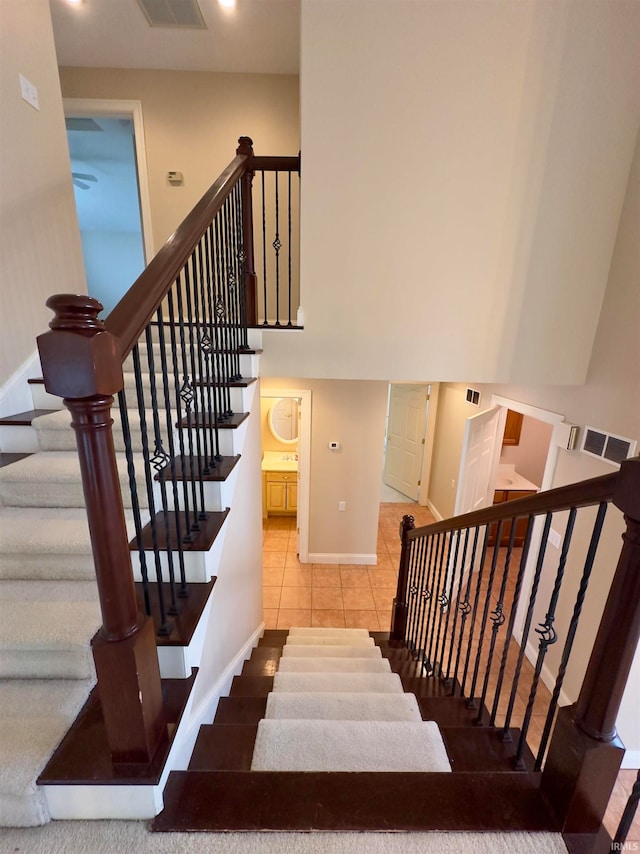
column 336, row 596
column 348, row 596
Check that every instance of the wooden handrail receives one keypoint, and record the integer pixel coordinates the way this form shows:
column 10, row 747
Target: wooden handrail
column 265, row 163
column 584, row 494
column 131, row 315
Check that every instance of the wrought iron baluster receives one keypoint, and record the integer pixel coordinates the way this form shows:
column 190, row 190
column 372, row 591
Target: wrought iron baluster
column 627, row 816
column 485, row 614
column 184, row 591
column 506, row 735
column 265, row 322
column 159, row 461
column 548, row 636
column 573, row 626
column 423, row 598
column 509, row 633
column 465, row 610
column 289, row 239
column 428, row 589
column 441, row 606
column 203, row 389
column 413, row 590
column 210, row 346
column 277, row 245
column 228, row 299
column 198, row 419
column 446, row 606
column 238, row 263
column 234, row 279
column 456, row 608
column 219, row 318
column 222, row 317
column 165, row 626
column 186, row 396
column 135, row 501
column 244, row 340
column 497, row 620
column 476, row 601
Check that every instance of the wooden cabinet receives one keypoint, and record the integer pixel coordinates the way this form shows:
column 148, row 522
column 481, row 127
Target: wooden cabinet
column 512, row 428
column 499, row 496
column 280, row 493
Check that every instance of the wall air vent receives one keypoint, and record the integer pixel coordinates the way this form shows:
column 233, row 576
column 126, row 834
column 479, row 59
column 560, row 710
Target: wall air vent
column 606, row 446
column 473, row 396
column 173, row 13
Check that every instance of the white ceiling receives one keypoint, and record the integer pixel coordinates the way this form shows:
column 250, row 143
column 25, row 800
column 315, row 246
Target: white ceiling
column 259, row 36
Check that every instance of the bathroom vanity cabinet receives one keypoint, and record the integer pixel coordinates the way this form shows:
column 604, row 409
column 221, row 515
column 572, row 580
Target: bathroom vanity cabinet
column 280, row 491
column 499, row 496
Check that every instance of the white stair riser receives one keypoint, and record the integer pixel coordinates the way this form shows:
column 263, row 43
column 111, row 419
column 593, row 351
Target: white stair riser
column 205, row 401
column 231, row 440
column 18, row 439
column 249, row 363
column 198, row 566
column 42, row 399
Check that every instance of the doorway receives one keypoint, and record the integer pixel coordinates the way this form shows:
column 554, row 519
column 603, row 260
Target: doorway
column 286, row 463
column 106, row 149
column 408, row 446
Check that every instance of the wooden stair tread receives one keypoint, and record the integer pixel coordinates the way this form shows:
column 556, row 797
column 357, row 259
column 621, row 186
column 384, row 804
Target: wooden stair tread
column 205, row 420
column 24, row 419
column 198, row 467
column 481, row 749
column 224, row 747
column 238, row 382
column 83, row 755
column 251, row 686
column 274, row 637
column 240, row 710
column 261, row 666
column 201, row 541
column 190, row 608
column 304, row 801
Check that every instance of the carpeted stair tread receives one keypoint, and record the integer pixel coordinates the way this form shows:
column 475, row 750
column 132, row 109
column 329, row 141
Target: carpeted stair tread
column 328, row 640
column 344, row 706
column 52, row 479
column 46, row 629
column 56, row 434
column 378, row 683
column 319, row 745
column 333, row 665
column 302, row 631
column 312, row 650
column 47, row 543
column 34, row 716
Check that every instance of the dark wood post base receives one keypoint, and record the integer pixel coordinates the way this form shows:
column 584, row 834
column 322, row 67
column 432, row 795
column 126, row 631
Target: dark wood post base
column 398, row 620
column 131, row 694
column 579, row 774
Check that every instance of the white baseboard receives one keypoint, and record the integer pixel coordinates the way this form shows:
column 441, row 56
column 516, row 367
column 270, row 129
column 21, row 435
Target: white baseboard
column 15, row 394
column 335, row 557
column 432, row 507
column 631, row 759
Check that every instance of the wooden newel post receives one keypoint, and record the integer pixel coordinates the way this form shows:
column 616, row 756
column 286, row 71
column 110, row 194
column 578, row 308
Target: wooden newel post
column 245, row 146
column 399, row 616
column 81, row 363
column 585, row 752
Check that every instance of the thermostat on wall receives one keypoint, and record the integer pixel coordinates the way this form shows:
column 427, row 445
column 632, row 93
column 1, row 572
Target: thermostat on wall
column 334, row 446
column 175, row 178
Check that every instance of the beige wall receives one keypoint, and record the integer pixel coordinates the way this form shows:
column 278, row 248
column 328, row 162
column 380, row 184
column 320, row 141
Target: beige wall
column 352, row 413
column 530, row 454
column 462, row 185
column 192, row 121
column 610, row 399
column 40, row 251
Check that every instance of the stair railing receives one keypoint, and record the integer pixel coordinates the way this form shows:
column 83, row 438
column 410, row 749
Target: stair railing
column 458, row 595
column 179, row 332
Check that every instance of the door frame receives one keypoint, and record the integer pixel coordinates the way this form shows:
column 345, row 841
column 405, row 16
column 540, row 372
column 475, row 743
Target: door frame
column 304, row 462
column 120, row 109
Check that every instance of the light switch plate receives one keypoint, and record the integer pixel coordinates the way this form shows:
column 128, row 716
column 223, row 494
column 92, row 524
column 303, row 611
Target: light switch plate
column 29, row 92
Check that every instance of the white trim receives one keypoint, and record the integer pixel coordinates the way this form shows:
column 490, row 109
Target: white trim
column 304, row 463
column 133, row 110
column 434, row 510
column 335, row 557
column 631, row 759
column 15, row 395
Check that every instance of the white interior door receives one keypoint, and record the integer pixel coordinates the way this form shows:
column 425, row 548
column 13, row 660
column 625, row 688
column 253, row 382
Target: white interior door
column 405, row 437
column 479, row 460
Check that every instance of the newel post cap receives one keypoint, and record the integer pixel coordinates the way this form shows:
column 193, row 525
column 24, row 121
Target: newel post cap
column 245, row 146
column 79, row 357
column 407, row 524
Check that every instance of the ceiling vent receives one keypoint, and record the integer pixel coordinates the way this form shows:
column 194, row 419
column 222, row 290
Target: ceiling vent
column 173, row 13
column 472, row 396
column 606, row 446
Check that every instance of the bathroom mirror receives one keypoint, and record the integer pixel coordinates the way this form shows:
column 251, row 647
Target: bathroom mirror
column 283, row 420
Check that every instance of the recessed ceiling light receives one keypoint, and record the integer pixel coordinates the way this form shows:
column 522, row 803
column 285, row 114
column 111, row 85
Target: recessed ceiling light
column 74, row 2
column 227, row 4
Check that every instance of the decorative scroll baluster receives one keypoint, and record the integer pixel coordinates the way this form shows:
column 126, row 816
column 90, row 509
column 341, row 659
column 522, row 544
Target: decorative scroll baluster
column 476, row 600
column 548, row 635
column 186, row 396
column 264, row 252
column 465, row 610
column 289, row 243
column 418, row 602
column 485, row 616
column 509, row 632
column 571, row 633
column 208, row 345
column 506, row 735
column 626, row 821
column 277, row 245
column 198, row 416
column 423, row 599
column 444, row 601
column 456, row 608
